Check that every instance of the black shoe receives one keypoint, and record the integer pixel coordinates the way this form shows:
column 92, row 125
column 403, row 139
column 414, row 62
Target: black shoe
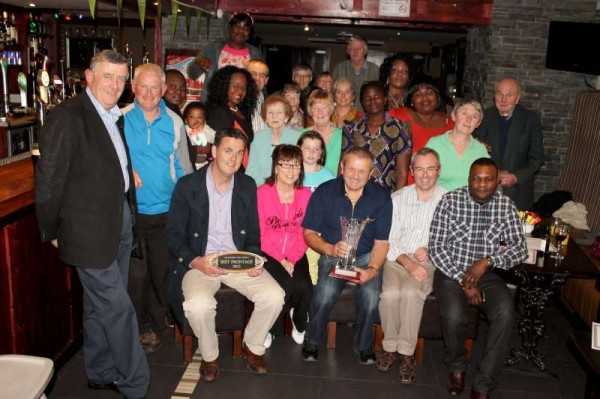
column 367, row 357
column 97, row 387
column 310, row 352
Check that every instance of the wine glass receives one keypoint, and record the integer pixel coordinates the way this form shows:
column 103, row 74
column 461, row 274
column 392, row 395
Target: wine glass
column 561, row 232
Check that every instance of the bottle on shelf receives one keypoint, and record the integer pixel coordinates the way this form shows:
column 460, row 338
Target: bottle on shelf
column 33, row 31
column 4, row 36
column 14, row 33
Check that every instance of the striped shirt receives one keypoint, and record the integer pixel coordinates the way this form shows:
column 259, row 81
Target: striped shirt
column 411, row 220
column 464, row 231
column 110, row 119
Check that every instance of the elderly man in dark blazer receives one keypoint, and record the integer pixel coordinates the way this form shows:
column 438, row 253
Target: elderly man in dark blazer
column 84, row 199
column 514, row 134
column 214, row 210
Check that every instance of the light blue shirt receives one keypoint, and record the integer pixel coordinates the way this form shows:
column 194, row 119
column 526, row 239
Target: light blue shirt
column 220, row 236
column 110, row 119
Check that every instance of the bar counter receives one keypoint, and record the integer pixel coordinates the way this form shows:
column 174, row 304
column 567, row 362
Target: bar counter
column 40, row 297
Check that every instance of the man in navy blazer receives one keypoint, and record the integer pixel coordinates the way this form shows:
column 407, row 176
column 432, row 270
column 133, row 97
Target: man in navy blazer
column 514, row 134
column 214, row 210
column 85, row 200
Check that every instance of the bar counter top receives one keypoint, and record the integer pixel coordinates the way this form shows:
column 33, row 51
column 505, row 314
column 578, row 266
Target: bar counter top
column 16, row 185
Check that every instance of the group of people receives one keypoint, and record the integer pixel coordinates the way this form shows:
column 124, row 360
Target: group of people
column 272, row 175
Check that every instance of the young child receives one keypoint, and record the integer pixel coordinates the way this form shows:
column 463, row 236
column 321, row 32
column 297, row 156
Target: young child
column 201, row 135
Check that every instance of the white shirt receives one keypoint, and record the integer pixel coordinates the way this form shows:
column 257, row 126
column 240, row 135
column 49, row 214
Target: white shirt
column 411, row 219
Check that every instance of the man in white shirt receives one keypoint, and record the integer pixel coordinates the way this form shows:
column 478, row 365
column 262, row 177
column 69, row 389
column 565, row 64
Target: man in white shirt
column 408, row 271
column 260, row 73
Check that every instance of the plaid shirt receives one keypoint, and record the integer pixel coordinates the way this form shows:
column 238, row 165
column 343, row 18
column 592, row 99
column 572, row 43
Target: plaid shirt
column 464, row 231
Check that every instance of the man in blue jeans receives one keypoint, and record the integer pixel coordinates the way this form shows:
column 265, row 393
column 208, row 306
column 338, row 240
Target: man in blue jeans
column 352, row 194
column 475, row 230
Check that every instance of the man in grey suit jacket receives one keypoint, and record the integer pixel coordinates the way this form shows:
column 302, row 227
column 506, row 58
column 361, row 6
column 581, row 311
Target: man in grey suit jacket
column 84, row 199
column 514, row 134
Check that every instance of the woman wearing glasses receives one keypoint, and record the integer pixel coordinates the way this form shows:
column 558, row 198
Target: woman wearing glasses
column 282, row 203
column 457, row 148
column 276, row 111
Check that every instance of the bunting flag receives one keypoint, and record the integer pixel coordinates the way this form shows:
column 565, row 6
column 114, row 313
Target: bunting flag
column 92, row 8
column 142, row 11
column 198, row 21
column 188, row 19
column 174, row 16
column 119, row 10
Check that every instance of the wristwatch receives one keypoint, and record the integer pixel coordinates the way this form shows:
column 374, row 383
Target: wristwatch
column 490, row 261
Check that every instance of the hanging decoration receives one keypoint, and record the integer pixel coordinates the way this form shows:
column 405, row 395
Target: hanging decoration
column 198, row 21
column 142, row 11
column 174, row 16
column 119, row 10
column 92, row 8
column 188, row 19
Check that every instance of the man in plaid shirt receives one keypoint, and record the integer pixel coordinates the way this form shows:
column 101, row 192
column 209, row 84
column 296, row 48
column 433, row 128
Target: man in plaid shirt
column 474, row 230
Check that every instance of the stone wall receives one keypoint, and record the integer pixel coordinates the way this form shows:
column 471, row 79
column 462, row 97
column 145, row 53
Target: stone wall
column 515, row 44
column 216, row 28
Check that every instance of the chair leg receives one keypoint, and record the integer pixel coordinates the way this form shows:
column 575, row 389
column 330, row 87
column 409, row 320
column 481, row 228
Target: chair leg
column 177, row 334
column 187, row 348
column 331, row 330
column 378, row 337
column 237, row 343
column 419, row 351
column 469, row 347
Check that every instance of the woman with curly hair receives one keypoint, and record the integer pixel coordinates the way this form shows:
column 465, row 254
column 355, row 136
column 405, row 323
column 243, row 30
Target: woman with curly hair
column 423, row 112
column 394, row 73
column 232, row 99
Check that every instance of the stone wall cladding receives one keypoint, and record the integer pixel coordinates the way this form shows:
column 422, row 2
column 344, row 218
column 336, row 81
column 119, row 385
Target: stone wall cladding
column 515, row 44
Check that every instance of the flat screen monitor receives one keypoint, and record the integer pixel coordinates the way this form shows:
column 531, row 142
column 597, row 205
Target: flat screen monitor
column 574, row 47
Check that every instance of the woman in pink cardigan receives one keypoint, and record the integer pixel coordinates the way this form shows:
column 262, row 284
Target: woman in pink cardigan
column 282, row 203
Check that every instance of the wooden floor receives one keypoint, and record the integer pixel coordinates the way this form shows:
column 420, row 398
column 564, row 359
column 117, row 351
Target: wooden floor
column 337, row 374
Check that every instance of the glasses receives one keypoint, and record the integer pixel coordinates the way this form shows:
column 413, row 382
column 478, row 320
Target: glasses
column 431, row 169
column 286, row 165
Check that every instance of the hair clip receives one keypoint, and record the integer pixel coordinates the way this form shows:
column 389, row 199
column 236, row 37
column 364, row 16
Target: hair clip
column 242, row 13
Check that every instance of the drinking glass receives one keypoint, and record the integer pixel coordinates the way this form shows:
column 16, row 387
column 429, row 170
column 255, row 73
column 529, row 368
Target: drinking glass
column 561, row 232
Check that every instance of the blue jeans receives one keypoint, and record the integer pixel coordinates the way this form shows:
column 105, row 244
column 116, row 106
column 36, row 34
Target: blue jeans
column 326, row 294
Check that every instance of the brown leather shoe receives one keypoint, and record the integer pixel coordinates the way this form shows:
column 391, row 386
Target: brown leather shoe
column 479, row 395
column 150, row 341
column 256, row 363
column 407, row 374
column 386, row 361
column 456, row 383
column 209, row 371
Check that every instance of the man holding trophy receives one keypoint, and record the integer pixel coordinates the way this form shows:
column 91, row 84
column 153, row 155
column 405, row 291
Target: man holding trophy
column 349, row 209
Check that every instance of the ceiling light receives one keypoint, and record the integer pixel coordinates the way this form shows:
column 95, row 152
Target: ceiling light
column 31, row 4
column 306, row 28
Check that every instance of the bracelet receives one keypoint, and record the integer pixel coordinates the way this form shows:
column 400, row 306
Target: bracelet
column 374, row 268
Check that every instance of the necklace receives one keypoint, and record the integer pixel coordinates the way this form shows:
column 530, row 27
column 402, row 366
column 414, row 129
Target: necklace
column 234, row 109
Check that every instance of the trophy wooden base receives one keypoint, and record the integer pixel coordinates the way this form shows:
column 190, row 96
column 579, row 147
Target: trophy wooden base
column 344, row 274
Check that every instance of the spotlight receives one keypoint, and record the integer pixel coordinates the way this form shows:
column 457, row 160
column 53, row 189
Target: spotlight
column 68, row 17
column 57, row 15
column 80, row 16
column 306, row 28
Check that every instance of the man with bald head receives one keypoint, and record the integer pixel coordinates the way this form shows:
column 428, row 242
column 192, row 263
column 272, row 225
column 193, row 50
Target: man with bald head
column 514, row 134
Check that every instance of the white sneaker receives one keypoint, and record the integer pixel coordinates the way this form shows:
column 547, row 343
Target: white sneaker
column 297, row 336
column 269, row 340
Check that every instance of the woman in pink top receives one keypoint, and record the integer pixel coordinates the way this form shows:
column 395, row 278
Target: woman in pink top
column 282, row 203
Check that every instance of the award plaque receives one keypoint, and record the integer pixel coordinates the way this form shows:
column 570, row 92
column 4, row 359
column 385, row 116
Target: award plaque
column 352, row 229
column 237, row 261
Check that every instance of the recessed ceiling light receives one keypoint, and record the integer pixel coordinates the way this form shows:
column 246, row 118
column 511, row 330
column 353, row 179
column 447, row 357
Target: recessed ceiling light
column 306, row 28
column 31, row 5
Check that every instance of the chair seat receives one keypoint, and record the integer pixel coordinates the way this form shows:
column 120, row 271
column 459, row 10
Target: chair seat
column 231, row 317
column 24, row 377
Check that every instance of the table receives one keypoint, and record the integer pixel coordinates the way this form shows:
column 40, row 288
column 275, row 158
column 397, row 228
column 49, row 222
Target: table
column 536, row 285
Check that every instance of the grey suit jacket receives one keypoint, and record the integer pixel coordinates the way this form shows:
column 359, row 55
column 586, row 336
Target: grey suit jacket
column 524, row 154
column 79, row 185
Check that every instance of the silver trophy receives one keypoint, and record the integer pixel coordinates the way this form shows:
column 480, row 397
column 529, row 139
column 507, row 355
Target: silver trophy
column 352, row 229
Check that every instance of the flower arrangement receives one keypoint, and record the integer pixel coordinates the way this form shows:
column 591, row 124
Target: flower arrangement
column 529, row 217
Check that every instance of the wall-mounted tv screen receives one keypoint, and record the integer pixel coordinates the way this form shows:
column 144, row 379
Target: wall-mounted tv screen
column 574, row 47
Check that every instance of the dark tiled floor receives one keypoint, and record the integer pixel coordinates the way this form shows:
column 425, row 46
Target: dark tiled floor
column 338, row 374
